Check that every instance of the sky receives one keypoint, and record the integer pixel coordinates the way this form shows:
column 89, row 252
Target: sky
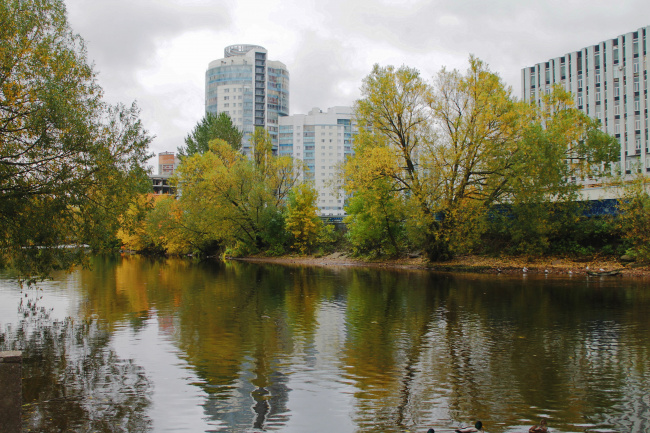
column 156, row 52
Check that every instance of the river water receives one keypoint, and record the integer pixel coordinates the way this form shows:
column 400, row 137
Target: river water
column 172, row 345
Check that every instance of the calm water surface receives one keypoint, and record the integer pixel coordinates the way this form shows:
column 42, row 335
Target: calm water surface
column 139, row 345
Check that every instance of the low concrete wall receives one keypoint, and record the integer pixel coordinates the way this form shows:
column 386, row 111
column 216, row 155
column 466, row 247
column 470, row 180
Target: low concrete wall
column 11, row 392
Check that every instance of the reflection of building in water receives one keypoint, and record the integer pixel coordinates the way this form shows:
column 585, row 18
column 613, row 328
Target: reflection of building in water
column 243, row 405
column 167, row 325
column 167, row 164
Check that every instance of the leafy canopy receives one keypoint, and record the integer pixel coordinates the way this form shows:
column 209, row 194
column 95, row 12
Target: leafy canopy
column 69, row 163
column 211, row 127
column 447, row 151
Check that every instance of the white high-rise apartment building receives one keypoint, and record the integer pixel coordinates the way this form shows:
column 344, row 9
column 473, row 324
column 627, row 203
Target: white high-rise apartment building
column 251, row 89
column 322, row 140
column 609, row 81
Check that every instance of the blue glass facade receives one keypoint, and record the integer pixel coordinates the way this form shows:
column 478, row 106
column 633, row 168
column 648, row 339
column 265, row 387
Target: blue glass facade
column 249, row 88
column 285, row 141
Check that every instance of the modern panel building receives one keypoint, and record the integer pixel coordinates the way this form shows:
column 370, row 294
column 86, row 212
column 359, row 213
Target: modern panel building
column 322, row 140
column 609, row 81
column 251, row 89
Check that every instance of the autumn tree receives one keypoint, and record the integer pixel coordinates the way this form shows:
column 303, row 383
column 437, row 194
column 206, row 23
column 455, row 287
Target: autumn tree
column 377, row 221
column 233, row 200
column 451, row 149
column 212, row 126
column 561, row 145
column 69, row 163
column 634, row 218
column 302, row 219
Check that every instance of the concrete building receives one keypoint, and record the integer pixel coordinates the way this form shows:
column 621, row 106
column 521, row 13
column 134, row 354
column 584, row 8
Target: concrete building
column 609, row 81
column 251, row 89
column 322, row 140
column 167, row 164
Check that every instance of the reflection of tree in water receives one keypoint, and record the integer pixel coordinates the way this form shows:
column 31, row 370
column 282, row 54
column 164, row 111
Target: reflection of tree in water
column 72, row 379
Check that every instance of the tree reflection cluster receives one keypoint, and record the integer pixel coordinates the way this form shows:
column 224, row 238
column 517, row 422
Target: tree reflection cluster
column 410, row 349
column 72, row 379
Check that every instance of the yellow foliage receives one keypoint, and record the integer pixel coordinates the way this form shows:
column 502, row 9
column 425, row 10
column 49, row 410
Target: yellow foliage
column 302, row 217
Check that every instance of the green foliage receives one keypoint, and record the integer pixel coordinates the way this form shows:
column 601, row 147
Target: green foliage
column 534, row 228
column 551, row 228
column 211, row 127
column 70, row 164
column 262, row 147
column 634, row 220
column 274, row 235
column 376, row 222
column 328, row 239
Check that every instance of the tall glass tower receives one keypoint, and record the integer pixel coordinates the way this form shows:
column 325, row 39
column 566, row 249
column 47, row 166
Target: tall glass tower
column 251, row 89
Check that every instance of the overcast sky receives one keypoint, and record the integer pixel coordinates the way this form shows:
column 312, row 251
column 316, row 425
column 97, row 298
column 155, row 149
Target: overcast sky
column 156, row 51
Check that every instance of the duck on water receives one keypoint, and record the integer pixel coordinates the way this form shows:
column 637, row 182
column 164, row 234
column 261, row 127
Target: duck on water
column 478, row 427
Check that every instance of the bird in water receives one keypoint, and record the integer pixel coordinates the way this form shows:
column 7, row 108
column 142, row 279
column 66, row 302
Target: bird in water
column 431, row 431
column 541, row 428
column 478, row 427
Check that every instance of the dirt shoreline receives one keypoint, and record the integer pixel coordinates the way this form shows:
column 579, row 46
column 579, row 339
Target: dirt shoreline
column 475, row 264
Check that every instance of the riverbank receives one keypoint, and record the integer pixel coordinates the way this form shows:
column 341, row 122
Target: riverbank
column 476, row 264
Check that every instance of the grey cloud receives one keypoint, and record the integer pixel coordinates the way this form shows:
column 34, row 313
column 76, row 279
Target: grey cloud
column 122, row 37
column 507, row 34
column 124, row 33
column 327, row 45
column 322, row 69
